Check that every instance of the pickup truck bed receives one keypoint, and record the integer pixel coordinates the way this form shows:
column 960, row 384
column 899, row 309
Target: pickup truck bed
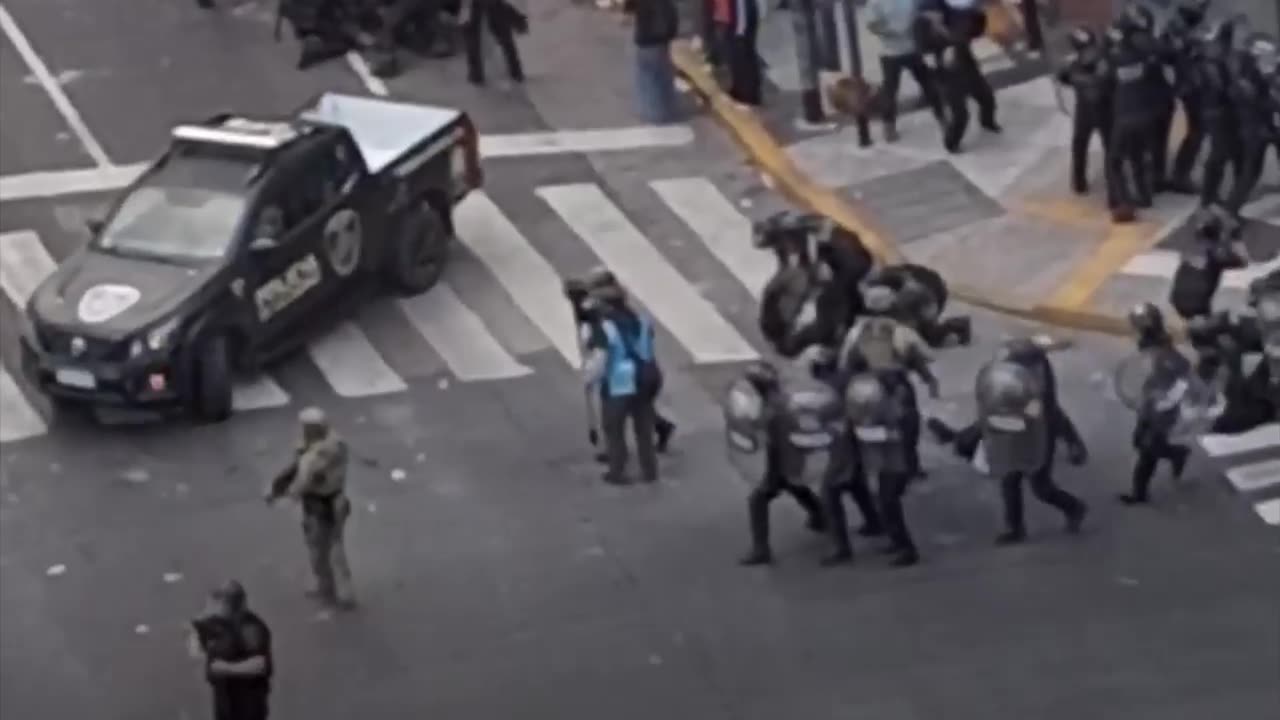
column 383, row 130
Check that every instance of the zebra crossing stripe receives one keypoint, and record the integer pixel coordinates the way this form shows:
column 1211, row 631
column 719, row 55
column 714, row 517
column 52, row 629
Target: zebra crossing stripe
column 707, row 336
column 351, row 365
column 24, row 264
column 1269, row 510
column 1255, row 476
column 1266, row 436
column 527, row 277
column 18, row 419
column 460, row 336
column 257, row 393
column 720, row 227
column 1164, row 263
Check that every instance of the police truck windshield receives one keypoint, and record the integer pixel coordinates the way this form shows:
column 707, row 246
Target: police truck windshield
column 186, row 210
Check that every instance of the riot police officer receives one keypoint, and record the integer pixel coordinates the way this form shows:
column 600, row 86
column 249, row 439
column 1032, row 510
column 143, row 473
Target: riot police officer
column 317, row 478
column 1199, row 272
column 876, row 407
column 1181, row 45
column 1251, row 93
column 784, row 422
column 889, row 347
column 1221, row 117
column 1156, row 415
column 1035, row 359
column 1017, row 436
column 1085, row 70
column 1159, row 93
column 1254, row 399
column 1128, row 174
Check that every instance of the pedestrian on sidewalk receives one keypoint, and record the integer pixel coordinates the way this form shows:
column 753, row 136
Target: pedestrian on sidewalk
column 742, row 19
column 656, row 25
column 505, row 21
column 893, row 22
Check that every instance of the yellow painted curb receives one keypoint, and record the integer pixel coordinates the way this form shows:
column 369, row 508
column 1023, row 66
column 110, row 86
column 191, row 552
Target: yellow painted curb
column 768, row 155
column 1122, row 244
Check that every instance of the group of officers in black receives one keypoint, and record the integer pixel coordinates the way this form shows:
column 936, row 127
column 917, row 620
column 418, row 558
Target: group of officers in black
column 1130, row 80
column 861, row 336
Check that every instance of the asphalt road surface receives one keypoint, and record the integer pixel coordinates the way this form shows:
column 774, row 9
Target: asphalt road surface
column 499, row 578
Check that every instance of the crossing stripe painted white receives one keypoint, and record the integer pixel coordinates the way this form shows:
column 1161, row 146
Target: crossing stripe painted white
column 55, row 183
column 460, row 336
column 724, row 230
column 1259, row 438
column 1266, row 209
column 18, row 419
column 24, row 264
column 258, row 393
column 527, row 277
column 1164, row 263
column 1255, row 476
column 1269, row 510
column 352, row 365
column 707, row 336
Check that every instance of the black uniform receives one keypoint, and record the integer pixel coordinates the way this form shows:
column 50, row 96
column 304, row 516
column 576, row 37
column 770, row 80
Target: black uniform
column 1222, row 122
column 781, row 462
column 1181, row 48
column 1156, row 418
column 1251, row 96
column 1199, row 272
column 967, row 26
column 1127, row 152
column 504, row 21
column 942, row 43
column 1086, row 71
column 236, row 639
column 844, row 474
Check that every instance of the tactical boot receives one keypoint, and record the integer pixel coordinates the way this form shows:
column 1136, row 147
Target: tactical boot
column 1075, row 521
column 1080, row 186
column 962, row 329
column 1133, row 499
column 1123, row 213
column 757, row 557
column 817, row 523
column 664, row 431
column 906, row 558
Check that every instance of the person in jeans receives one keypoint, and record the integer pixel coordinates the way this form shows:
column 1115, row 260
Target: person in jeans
column 656, row 24
column 894, row 23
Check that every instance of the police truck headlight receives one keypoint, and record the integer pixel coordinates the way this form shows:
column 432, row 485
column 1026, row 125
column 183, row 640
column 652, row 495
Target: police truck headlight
column 160, row 336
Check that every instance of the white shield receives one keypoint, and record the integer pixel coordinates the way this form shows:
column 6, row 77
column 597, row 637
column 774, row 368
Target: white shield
column 100, row 303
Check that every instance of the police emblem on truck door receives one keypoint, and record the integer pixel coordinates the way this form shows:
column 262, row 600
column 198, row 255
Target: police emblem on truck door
column 284, row 289
column 342, row 241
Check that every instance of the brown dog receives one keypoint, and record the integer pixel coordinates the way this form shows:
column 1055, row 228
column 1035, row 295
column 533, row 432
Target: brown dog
column 855, row 97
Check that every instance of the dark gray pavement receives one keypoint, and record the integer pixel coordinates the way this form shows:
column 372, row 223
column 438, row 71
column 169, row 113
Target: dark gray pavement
column 500, row 580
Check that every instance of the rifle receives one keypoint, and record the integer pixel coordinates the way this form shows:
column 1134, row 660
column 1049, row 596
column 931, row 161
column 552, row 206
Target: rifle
column 279, row 484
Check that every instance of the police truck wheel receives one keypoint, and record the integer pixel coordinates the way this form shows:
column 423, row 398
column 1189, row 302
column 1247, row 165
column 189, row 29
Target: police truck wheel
column 417, row 257
column 211, row 391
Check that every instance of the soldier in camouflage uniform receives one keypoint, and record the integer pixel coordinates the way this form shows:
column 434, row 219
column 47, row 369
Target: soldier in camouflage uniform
column 317, row 478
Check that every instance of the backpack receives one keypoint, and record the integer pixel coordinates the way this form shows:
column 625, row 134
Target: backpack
column 648, row 374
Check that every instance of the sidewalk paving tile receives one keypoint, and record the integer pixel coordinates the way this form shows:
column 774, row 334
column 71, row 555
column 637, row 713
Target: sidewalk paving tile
column 920, row 202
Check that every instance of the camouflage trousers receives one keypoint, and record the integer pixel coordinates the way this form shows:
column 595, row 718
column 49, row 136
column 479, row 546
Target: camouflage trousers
column 324, row 524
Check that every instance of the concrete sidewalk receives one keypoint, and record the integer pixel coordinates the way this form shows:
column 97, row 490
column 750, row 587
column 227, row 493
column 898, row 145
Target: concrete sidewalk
column 998, row 220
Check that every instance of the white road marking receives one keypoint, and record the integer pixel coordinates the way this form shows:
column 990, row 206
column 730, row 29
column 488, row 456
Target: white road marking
column 352, row 365
column 53, row 88
column 1164, row 263
column 460, row 336
column 1265, row 208
column 18, row 419
column 371, row 82
column 528, row 278
column 1255, row 476
column 707, row 336
column 585, row 141
column 24, row 264
column 724, row 230
column 257, row 393
column 1269, row 510
column 47, row 184
column 1263, row 437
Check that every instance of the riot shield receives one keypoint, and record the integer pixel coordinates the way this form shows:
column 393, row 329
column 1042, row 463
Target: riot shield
column 744, row 426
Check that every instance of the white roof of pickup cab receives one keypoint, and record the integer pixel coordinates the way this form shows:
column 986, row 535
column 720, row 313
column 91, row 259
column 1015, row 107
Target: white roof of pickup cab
column 383, row 130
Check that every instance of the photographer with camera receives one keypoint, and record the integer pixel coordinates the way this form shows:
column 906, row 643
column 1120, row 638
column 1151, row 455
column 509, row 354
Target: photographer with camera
column 235, row 646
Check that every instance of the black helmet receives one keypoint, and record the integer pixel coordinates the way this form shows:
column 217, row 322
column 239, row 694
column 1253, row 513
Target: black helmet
column 1192, row 12
column 763, row 376
column 1083, row 38
column 1022, row 350
column 1137, row 18
column 232, row 593
column 1146, row 317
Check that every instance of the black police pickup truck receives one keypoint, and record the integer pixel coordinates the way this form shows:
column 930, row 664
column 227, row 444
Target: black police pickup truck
column 239, row 240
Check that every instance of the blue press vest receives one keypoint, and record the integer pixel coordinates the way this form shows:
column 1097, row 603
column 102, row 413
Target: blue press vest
column 620, row 373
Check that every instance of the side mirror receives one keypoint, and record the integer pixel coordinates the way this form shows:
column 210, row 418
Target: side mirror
column 263, row 244
column 95, row 226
